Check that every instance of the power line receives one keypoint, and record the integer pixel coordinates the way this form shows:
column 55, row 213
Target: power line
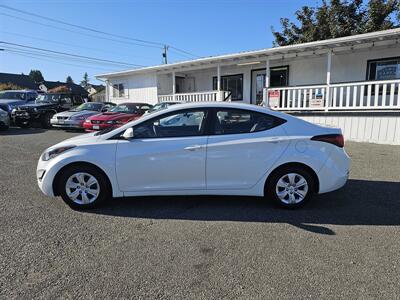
column 161, row 45
column 78, row 32
column 72, row 55
column 53, row 61
column 81, row 27
column 58, row 57
column 67, row 44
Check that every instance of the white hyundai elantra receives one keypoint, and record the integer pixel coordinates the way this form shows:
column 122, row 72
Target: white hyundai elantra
column 198, row 149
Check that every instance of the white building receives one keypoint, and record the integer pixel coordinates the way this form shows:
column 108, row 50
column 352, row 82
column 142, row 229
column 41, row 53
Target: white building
column 351, row 82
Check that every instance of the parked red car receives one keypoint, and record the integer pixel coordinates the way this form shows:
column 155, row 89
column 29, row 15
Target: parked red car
column 117, row 116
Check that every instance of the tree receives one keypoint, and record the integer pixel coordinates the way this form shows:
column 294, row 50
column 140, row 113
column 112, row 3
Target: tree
column 338, row 18
column 36, row 75
column 85, row 80
column 69, row 80
column 9, row 86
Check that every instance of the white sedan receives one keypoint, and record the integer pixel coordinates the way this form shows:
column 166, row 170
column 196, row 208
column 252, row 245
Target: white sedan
column 198, row 149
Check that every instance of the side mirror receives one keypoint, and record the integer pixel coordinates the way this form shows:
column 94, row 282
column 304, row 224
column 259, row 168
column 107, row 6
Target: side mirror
column 128, row 134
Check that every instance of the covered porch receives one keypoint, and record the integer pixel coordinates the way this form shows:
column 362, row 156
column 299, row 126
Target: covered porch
column 349, row 73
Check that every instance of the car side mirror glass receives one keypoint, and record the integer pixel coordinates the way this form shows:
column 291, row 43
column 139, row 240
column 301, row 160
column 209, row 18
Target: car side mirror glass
column 128, row 134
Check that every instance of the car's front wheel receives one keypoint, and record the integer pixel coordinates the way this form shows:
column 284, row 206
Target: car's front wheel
column 290, row 187
column 82, row 187
column 46, row 120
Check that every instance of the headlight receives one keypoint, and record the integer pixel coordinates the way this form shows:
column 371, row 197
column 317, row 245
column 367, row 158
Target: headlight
column 49, row 154
column 10, row 107
column 35, row 109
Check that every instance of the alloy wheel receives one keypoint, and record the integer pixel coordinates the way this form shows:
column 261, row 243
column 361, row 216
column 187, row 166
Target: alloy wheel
column 292, row 188
column 82, row 188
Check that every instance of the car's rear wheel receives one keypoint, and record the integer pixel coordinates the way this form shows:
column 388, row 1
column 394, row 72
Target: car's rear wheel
column 83, row 187
column 290, row 187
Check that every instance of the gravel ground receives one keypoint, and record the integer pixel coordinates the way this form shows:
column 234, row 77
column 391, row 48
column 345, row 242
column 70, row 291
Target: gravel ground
column 342, row 245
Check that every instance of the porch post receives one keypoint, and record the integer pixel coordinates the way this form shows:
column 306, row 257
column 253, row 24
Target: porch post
column 219, row 96
column 328, row 80
column 265, row 90
column 107, row 91
column 173, row 86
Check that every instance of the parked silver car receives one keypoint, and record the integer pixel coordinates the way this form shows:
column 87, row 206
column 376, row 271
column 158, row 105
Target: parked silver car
column 4, row 119
column 75, row 117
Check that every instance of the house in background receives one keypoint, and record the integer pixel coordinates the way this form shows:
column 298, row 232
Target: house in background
column 45, row 86
column 21, row 80
column 351, row 82
column 96, row 92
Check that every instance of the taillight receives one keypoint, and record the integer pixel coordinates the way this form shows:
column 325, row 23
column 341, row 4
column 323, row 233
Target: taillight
column 335, row 139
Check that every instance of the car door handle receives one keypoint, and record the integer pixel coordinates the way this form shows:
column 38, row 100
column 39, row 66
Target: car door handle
column 193, row 148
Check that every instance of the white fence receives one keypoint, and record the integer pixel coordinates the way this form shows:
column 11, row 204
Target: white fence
column 366, row 95
column 196, row 97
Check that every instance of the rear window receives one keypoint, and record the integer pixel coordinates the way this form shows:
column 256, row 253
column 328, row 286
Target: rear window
column 235, row 121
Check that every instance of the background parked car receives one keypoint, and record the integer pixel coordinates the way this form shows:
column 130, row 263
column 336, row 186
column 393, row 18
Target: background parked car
column 4, row 119
column 44, row 108
column 162, row 105
column 75, row 117
column 117, row 116
column 12, row 98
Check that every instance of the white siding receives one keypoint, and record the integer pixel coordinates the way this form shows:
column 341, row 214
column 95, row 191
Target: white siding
column 138, row 88
column 370, row 129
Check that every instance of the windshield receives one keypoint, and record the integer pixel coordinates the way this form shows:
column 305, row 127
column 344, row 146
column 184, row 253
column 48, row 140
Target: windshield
column 89, row 106
column 48, row 98
column 156, row 107
column 13, row 95
column 104, row 131
column 124, row 108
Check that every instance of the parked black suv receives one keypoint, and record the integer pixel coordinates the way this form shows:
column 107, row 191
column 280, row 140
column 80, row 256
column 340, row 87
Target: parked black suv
column 45, row 106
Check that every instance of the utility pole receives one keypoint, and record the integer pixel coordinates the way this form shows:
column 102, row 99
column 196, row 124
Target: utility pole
column 165, row 53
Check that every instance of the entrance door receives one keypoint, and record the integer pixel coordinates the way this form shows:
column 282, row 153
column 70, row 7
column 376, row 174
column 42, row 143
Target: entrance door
column 279, row 77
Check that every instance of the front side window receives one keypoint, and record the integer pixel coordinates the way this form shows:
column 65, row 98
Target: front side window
column 233, row 84
column 118, row 90
column 383, row 69
column 182, row 124
column 234, row 121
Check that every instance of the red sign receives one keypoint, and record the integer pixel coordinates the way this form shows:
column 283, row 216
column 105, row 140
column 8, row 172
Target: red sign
column 273, row 98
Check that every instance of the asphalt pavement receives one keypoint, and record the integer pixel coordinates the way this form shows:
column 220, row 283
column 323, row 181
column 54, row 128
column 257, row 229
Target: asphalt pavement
column 342, row 245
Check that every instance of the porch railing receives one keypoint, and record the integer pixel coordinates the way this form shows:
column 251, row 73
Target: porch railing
column 366, row 95
column 206, row 96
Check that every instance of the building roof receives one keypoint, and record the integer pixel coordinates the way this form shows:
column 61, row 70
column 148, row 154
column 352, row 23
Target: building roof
column 318, row 47
column 24, row 81
column 75, row 88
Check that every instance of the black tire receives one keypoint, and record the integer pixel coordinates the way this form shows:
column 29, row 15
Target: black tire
column 21, row 124
column 104, row 186
column 46, row 120
column 271, row 188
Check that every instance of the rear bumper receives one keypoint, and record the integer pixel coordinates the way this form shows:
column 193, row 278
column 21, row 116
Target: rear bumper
column 335, row 172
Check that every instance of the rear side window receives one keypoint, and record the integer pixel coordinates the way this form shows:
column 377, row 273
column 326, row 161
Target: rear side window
column 234, row 121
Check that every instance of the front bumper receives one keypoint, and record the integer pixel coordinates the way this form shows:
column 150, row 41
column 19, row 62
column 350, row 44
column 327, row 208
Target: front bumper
column 95, row 127
column 67, row 123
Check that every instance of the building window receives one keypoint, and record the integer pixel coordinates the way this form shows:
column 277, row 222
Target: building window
column 383, row 69
column 118, row 90
column 231, row 83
